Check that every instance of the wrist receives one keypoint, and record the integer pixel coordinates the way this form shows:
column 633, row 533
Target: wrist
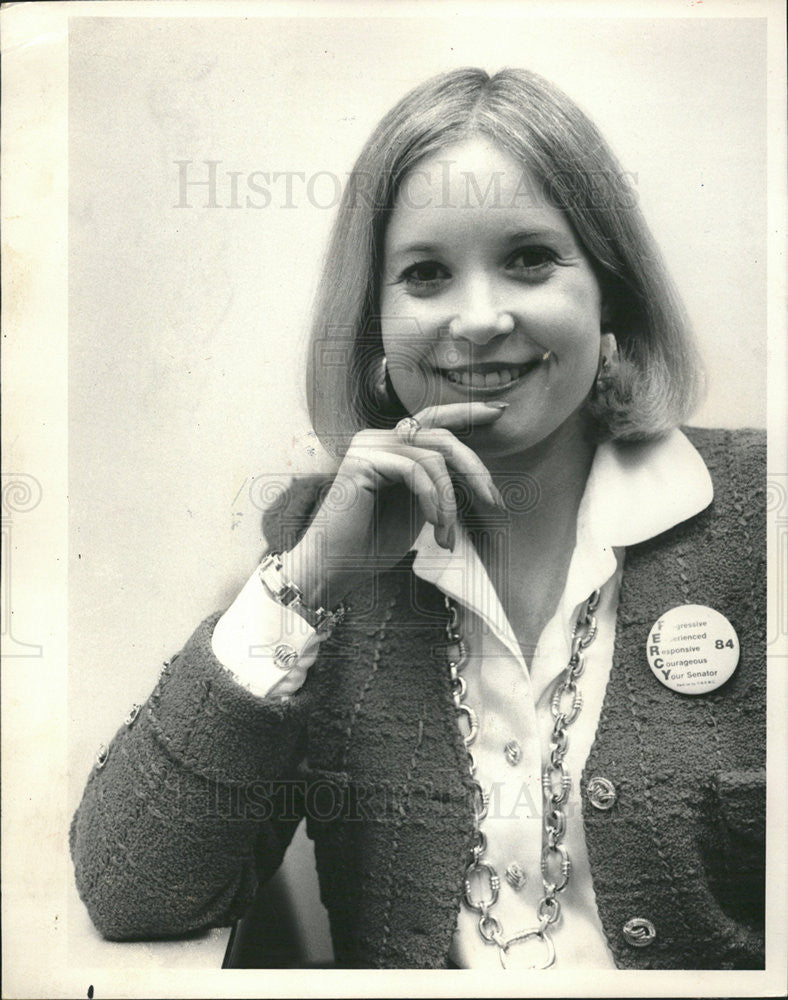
column 265, row 649
column 306, row 598
column 301, row 566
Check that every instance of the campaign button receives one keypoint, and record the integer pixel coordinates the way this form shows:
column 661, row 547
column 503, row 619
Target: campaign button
column 692, row 649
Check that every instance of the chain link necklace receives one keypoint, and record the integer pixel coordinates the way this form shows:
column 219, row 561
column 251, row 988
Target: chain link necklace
column 482, row 882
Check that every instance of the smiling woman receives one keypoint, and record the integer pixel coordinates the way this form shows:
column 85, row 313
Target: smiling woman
column 444, row 660
column 484, row 292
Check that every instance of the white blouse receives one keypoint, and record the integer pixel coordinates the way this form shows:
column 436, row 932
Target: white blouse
column 634, row 492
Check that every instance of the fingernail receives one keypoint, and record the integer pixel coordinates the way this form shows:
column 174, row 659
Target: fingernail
column 497, row 406
column 445, row 517
column 451, row 537
column 496, row 496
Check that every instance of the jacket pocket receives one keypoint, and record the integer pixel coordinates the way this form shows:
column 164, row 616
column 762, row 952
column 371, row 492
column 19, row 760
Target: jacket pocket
column 741, row 802
column 734, row 845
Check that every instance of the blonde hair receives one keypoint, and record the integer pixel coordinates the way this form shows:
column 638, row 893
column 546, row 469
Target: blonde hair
column 659, row 379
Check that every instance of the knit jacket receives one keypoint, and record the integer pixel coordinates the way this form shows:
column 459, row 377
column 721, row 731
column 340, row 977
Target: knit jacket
column 201, row 792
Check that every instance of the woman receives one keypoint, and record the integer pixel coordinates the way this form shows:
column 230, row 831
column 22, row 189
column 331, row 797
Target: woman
column 446, row 660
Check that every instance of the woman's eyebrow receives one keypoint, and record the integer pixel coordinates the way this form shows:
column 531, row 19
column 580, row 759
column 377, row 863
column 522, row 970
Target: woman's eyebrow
column 508, row 237
column 411, row 248
column 538, row 233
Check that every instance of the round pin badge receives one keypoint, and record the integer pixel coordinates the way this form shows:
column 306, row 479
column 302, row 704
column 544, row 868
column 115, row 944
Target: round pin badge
column 692, row 649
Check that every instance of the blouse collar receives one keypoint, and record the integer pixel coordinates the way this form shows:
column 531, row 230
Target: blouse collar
column 635, row 491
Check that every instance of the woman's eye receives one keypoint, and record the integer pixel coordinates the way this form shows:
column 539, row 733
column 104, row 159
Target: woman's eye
column 425, row 275
column 532, row 259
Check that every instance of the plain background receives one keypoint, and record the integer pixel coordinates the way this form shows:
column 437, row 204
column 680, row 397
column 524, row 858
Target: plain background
column 186, row 331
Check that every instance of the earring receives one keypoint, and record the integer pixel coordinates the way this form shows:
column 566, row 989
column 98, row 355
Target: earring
column 608, row 407
column 378, row 380
column 382, row 394
column 608, row 363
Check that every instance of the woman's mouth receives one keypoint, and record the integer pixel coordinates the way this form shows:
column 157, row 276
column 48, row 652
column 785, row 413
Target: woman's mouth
column 488, row 379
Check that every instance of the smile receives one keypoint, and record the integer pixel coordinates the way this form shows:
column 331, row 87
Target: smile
column 488, row 379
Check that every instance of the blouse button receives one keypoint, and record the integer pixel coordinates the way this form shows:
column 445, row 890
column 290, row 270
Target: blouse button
column 601, row 793
column 101, row 756
column 513, row 752
column 639, row 932
column 515, row 876
column 135, row 711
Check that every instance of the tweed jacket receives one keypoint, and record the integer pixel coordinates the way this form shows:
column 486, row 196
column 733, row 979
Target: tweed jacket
column 201, row 791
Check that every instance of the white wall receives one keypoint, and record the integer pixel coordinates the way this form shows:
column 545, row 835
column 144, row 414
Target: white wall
column 186, row 323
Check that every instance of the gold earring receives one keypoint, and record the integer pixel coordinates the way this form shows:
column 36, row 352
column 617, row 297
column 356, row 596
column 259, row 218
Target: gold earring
column 608, row 361
column 384, row 398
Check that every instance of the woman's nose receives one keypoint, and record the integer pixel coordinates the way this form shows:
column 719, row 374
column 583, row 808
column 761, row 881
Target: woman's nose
column 480, row 318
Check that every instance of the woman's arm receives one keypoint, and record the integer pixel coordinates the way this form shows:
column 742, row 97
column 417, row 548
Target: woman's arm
column 194, row 806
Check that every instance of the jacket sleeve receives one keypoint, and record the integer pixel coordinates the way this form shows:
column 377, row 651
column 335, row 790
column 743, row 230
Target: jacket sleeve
column 194, row 805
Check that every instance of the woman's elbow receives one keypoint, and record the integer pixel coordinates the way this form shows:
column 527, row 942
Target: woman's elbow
column 128, row 900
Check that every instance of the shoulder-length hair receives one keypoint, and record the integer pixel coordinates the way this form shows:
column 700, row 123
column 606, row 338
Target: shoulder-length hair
column 659, row 378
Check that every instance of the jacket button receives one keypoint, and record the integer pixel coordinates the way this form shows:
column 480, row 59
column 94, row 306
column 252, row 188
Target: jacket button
column 601, row 793
column 639, row 932
column 135, row 711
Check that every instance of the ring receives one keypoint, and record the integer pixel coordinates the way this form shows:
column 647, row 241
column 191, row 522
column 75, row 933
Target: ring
column 406, row 429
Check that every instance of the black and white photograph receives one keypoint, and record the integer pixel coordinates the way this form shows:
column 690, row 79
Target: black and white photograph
column 395, row 499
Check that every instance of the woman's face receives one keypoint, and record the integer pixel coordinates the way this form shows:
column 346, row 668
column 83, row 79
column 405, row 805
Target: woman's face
column 481, row 278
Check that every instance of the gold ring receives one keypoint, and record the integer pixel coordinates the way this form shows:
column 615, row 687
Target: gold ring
column 406, row 429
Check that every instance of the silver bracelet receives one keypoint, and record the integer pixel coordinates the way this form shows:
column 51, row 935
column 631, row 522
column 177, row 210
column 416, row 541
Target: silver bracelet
column 289, row 595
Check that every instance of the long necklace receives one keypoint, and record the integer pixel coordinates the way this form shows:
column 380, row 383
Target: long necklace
column 482, row 882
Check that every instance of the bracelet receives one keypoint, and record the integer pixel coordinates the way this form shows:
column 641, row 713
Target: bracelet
column 287, row 593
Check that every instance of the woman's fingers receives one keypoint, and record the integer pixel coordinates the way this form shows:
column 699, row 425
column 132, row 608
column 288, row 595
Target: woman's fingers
column 390, row 467
column 460, row 416
column 434, row 464
column 462, row 460
column 438, row 426
column 422, row 465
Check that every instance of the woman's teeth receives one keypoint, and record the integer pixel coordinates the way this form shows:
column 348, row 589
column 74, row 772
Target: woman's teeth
column 489, row 380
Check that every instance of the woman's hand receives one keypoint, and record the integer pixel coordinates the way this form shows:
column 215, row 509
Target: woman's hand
column 368, row 520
